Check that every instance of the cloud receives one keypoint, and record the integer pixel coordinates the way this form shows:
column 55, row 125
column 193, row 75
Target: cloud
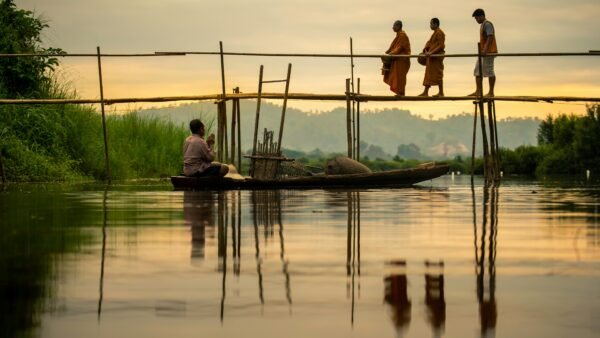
column 316, row 26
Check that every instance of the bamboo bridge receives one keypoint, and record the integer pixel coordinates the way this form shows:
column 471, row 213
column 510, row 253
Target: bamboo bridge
column 352, row 97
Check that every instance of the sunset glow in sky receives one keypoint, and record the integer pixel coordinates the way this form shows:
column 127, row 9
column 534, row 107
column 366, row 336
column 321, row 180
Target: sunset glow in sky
column 310, row 26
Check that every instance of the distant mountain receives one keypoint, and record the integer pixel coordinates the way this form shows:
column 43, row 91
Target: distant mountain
column 387, row 130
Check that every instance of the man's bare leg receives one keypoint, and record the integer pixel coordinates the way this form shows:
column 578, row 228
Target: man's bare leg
column 478, row 90
column 492, row 85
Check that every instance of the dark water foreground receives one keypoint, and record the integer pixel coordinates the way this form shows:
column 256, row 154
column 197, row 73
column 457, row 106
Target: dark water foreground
column 447, row 260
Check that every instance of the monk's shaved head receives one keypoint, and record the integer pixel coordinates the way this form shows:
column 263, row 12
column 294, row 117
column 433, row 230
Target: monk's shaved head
column 398, row 23
column 435, row 21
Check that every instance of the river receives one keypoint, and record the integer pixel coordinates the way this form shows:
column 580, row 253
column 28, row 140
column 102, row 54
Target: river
column 442, row 259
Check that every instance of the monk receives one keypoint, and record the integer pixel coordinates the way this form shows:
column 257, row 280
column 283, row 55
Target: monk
column 434, row 69
column 395, row 77
column 487, row 44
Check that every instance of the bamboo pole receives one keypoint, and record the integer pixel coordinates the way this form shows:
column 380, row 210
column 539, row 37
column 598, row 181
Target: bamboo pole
column 219, row 131
column 183, row 53
column 233, row 125
column 486, row 153
column 358, row 124
column 301, row 96
column 225, row 135
column 222, row 67
column 239, row 133
column 260, row 78
column 474, row 142
column 353, row 111
column 348, row 119
column 493, row 163
column 222, row 111
column 496, row 134
column 285, row 97
column 108, row 176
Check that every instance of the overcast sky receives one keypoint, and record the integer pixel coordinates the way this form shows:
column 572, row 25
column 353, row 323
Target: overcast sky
column 311, row 26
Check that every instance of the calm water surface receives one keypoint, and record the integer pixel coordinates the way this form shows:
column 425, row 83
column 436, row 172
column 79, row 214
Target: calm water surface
column 441, row 259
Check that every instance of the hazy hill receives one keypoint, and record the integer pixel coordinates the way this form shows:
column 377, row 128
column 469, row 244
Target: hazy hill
column 387, row 129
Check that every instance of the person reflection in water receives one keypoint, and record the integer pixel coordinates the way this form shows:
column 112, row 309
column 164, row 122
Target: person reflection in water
column 434, row 296
column 396, row 295
column 198, row 212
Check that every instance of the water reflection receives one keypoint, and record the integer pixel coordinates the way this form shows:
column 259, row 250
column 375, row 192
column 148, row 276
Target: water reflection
column 396, row 296
column 199, row 214
column 434, row 296
column 266, row 212
column 361, row 263
column 486, row 269
column 353, row 248
column 103, row 254
column 37, row 230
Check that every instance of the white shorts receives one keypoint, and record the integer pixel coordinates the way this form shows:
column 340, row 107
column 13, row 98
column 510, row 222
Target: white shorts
column 487, row 67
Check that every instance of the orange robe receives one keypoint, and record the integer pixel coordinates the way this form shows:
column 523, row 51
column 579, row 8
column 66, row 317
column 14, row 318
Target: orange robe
column 434, row 69
column 396, row 76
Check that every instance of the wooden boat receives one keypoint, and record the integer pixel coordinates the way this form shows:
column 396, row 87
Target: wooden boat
column 391, row 178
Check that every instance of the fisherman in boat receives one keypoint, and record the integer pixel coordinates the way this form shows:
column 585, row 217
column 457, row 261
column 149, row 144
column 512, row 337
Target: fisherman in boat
column 198, row 154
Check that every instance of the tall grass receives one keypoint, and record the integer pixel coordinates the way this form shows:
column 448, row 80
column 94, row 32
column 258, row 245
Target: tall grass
column 59, row 143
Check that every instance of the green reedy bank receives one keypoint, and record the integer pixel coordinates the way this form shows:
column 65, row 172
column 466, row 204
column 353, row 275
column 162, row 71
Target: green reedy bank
column 64, row 143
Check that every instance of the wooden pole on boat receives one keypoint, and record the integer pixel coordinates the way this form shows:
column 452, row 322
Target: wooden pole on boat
column 358, row 123
column 353, row 111
column 225, row 138
column 221, row 119
column 260, row 82
column 219, row 131
column 348, row 119
column 285, row 97
column 233, row 125
column 108, row 176
column 239, row 134
column 474, row 142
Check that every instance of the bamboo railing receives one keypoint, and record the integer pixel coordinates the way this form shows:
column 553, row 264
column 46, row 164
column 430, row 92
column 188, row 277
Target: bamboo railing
column 352, row 98
column 301, row 97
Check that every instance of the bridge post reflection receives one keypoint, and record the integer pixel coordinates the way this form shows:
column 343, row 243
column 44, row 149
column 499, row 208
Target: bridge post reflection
column 485, row 245
column 103, row 253
column 353, row 248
